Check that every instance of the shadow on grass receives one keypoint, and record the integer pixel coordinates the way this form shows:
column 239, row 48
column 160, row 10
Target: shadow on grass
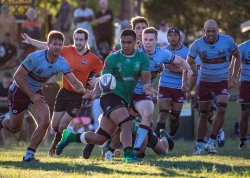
column 198, row 166
column 83, row 169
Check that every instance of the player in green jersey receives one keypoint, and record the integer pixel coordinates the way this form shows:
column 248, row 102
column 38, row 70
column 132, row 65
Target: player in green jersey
column 127, row 65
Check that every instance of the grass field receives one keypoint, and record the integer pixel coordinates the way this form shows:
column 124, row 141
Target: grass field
column 230, row 162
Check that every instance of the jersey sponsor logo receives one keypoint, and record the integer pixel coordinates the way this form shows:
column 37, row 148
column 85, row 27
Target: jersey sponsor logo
column 38, row 78
column 221, row 52
column 84, row 61
column 128, row 78
column 214, row 61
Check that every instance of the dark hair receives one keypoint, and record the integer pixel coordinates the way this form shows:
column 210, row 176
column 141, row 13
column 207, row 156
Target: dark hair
column 128, row 32
column 7, row 75
column 174, row 30
column 150, row 30
column 138, row 19
column 80, row 31
column 55, row 35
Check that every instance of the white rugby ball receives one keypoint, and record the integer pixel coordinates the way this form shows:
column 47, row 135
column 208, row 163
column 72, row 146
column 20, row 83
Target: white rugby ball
column 107, row 83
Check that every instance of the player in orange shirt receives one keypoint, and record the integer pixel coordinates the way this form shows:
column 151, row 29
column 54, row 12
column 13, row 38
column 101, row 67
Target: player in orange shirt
column 82, row 62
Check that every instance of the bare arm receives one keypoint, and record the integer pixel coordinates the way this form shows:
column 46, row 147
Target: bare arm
column 193, row 78
column 234, row 68
column 76, row 84
column 39, row 44
column 19, row 78
column 83, row 19
column 146, row 81
column 183, row 65
column 102, row 19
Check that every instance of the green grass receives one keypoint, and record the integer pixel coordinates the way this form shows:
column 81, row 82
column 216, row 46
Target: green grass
column 230, row 162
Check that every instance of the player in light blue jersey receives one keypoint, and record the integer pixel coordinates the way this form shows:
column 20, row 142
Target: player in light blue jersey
column 244, row 95
column 142, row 102
column 171, row 97
column 25, row 93
column 214, row 50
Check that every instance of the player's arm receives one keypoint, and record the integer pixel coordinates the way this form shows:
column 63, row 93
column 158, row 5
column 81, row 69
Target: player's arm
column 102, row 19
column 183, row 65
column 19, row 78
column 193, row 78
column 234, row 68
column 76, row 84
column 83, row 19
column 39, row 44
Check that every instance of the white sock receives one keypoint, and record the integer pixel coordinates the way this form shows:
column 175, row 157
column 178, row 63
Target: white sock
column 82, row 138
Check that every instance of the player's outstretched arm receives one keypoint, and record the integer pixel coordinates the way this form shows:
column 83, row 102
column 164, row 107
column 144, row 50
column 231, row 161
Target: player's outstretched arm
column 76, row 84
column 193, row 78
column 39, row 44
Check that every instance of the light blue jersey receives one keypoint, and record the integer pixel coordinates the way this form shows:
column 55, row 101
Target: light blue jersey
column 215, row 58
column 198, row 64
column 245, row 67
column 40, row 69
column 173, row 79
column 157, row 60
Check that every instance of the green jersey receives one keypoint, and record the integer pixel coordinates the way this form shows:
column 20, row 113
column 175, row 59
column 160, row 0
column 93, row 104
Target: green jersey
column 126, row 70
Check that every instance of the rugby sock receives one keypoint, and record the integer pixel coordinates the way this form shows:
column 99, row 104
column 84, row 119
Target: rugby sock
column 142, row 132
column 128, row 152
column 77, row 137
column 1, row 120
column 29, row 153
column 159, row 126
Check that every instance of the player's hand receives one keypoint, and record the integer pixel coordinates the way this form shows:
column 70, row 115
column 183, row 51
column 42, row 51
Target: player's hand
column 189, row 72
column 89, row 94
column 92, row 82
column 148, row 89
column 233, row 81
column 37, row 98
column 26, row 38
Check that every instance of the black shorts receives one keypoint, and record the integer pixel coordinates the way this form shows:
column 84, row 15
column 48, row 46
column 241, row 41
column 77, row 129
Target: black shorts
column 68, row 101
column 110, row 102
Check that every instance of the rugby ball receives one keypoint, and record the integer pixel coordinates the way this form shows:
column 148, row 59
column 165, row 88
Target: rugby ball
column 107, row 83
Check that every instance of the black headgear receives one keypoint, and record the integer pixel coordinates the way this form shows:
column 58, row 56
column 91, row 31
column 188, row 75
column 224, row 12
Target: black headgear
column 174, row 30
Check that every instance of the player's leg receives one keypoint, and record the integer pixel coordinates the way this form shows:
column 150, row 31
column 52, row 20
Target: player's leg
column 205, row 98
column 244, row 100
column 222, row 99
column 145, row 108
column 40, row 113
column 164, row 105
column 178, row 100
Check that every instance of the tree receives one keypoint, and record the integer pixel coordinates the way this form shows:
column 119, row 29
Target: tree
column 190, row 15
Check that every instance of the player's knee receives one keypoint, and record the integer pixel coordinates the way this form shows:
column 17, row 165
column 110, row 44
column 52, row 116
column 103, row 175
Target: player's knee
column 15, row 129
column 163, row 114
column 204, row 114
column 125, row 123
column 221, row 108
column 103, row 136
column 175, row 114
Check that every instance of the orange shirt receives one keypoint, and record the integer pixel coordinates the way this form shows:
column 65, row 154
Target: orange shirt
column 80, row 65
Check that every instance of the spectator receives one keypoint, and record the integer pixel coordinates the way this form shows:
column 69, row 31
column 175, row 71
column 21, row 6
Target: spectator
column 104, row 35
column 8, row 53
column 32, row 27
column 162, row 34
column 64, row 20
column 4, row 104
column 7, row 24
column 82, row 18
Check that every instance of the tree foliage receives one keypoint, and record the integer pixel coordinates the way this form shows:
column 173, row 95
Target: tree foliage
column 190, row 15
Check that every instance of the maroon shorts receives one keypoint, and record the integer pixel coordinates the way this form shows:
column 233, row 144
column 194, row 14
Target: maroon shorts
column 244, row 93
column 19, row 101
column 171, row 93
column 208, row 90
column 138, row 97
